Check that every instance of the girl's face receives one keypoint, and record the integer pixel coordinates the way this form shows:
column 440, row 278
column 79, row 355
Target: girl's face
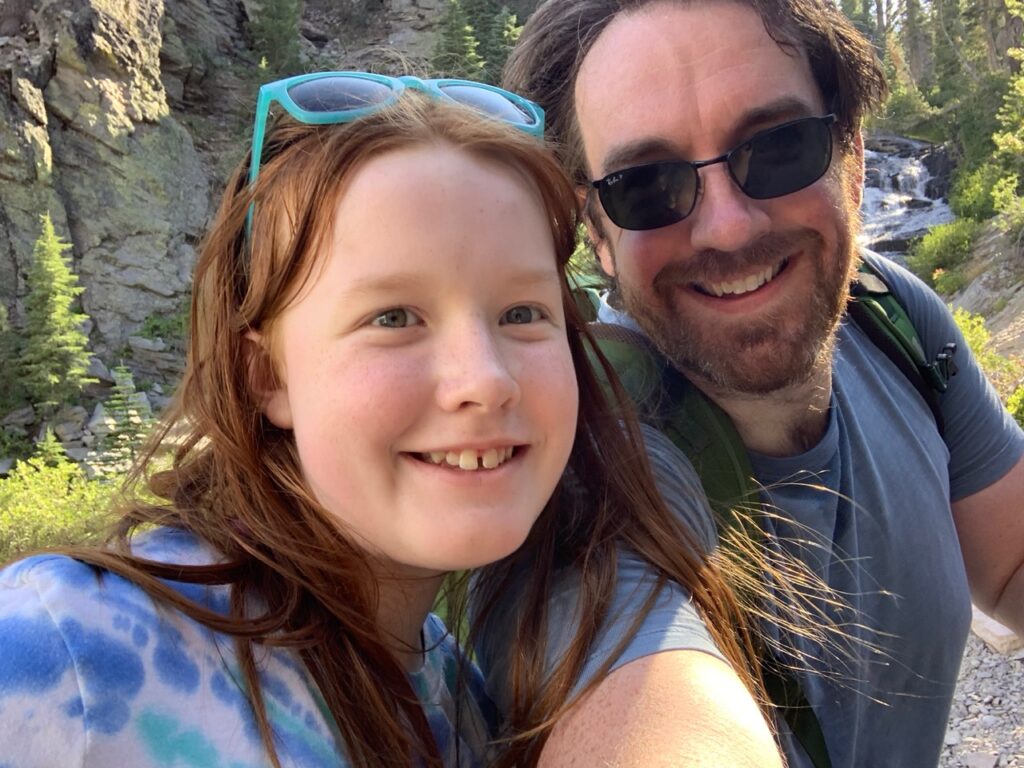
column 424, row 369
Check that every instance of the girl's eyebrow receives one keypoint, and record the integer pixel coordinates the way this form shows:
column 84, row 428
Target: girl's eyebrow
column 526, row 277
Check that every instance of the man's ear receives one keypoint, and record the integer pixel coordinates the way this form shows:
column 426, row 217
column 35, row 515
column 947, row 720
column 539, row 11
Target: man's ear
column 592, row 213
column 264, row 383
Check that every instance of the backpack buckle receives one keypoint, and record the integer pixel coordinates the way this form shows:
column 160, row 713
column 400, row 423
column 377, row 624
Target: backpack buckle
column 944, row 367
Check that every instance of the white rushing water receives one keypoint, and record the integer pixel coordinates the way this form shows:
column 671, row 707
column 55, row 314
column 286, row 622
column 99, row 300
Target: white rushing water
column 896, row 207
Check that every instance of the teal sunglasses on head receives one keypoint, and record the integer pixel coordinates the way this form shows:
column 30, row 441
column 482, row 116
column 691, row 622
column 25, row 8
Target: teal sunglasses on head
column 325, row 98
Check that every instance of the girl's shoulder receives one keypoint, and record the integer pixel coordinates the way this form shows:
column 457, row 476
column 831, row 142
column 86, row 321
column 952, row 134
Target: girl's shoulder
column 95, row 672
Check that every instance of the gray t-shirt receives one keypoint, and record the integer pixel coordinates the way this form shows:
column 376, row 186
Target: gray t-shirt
column 868, row 508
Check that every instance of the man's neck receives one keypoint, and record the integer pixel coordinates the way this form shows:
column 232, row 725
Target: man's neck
column 786, row 422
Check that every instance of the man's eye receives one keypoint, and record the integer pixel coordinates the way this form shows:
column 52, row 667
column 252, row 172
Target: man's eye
column 395, row 318
column 521, row 315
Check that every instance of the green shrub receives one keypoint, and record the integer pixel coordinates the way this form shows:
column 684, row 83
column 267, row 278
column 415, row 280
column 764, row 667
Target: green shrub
column 1010, row 206
column 171, row 327
column 48, row 501
column 946, row 247
column 971, row 195
column 948, row 281
column 1004, row 372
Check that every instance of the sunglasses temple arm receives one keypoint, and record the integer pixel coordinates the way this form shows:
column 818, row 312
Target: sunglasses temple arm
column 256, row 150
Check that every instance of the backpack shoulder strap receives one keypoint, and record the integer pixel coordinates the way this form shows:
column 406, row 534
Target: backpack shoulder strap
column 877, row 312
column 706, row 434
column 667, row 400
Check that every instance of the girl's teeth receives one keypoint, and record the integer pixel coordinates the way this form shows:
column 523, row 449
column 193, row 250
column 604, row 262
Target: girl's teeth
column 470, row 459
column 467, row 459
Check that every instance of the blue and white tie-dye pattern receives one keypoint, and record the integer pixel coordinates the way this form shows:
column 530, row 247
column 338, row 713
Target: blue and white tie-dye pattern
column 93, row 673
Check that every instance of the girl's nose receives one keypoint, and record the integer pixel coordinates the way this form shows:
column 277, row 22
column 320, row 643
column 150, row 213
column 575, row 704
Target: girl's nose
column 476, row 374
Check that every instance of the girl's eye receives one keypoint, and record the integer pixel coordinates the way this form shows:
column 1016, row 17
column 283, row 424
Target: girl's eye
column 521, row 315
column 395, row 318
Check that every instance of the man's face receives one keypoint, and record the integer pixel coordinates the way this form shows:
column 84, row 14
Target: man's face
column 743, row 294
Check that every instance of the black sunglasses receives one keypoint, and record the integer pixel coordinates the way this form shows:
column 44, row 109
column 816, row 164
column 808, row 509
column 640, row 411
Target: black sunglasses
column 772, row 163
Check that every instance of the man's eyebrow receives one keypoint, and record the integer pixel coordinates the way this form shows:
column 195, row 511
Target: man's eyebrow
column 651, row 148
column 637, row 152
column 778, row 111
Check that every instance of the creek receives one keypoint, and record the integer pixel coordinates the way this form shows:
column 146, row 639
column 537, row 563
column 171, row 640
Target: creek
column 905, row 187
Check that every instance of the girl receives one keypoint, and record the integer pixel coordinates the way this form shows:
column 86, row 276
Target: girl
column 387, row 381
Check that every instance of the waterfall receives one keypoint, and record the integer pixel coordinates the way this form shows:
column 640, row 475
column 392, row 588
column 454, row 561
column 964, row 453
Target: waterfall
column 901, row 200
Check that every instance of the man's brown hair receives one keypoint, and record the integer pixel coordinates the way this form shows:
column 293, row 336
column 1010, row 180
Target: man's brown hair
column 559, row 35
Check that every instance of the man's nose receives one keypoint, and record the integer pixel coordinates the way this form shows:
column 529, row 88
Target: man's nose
column 725, row 219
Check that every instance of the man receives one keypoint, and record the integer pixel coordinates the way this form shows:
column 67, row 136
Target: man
column 738, row 270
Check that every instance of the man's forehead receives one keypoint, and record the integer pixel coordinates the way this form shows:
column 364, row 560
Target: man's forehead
column 685, row 80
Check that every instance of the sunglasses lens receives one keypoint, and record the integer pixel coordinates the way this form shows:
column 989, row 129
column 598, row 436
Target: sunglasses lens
column 783, row 160
column 489, row 102
column 649, row 196
column 337, row 94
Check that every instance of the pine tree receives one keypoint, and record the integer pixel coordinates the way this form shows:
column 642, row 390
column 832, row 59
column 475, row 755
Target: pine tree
column 275, row 34
column 55, row 357
column 1009, row 140
column 48, row 451
column 455, row 54
column 501, row 37
column 128, row 420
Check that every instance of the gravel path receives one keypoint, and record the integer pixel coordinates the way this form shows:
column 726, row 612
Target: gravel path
column 986, row 726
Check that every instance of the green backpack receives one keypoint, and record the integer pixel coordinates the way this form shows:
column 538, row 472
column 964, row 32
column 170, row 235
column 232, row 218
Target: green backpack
column 705, row 433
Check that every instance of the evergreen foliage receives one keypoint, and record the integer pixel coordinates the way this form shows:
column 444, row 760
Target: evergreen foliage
column 455, row 54
column 128, row 420
column 502, row 35
column 275, row 35
column 475, row 40
column 906, row 112
column 54, row 357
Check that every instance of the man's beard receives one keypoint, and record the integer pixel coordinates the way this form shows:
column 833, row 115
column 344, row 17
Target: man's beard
column 763, row 355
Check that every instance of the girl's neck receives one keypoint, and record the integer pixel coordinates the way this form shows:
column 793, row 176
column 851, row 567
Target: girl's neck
column 404, row 604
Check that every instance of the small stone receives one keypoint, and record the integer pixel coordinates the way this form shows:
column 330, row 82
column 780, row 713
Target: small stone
column 97, row 370
column 67, row 431
column 988, row 721
column 952, row 738
column 23, row 417
column 76, row 453
column 5, row 467
column 977, row 760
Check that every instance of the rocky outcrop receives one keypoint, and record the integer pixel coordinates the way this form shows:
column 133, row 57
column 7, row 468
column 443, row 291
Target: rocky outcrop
column 87, row 134
column 122, row 119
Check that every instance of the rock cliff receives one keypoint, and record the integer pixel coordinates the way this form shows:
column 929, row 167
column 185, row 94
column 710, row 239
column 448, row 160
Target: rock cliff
column 122, row 119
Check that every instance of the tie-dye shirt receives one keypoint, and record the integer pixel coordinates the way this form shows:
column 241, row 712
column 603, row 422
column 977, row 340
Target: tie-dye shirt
column 93, row 673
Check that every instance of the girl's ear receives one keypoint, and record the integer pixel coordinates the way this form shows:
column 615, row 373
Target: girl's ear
column 264, row 383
